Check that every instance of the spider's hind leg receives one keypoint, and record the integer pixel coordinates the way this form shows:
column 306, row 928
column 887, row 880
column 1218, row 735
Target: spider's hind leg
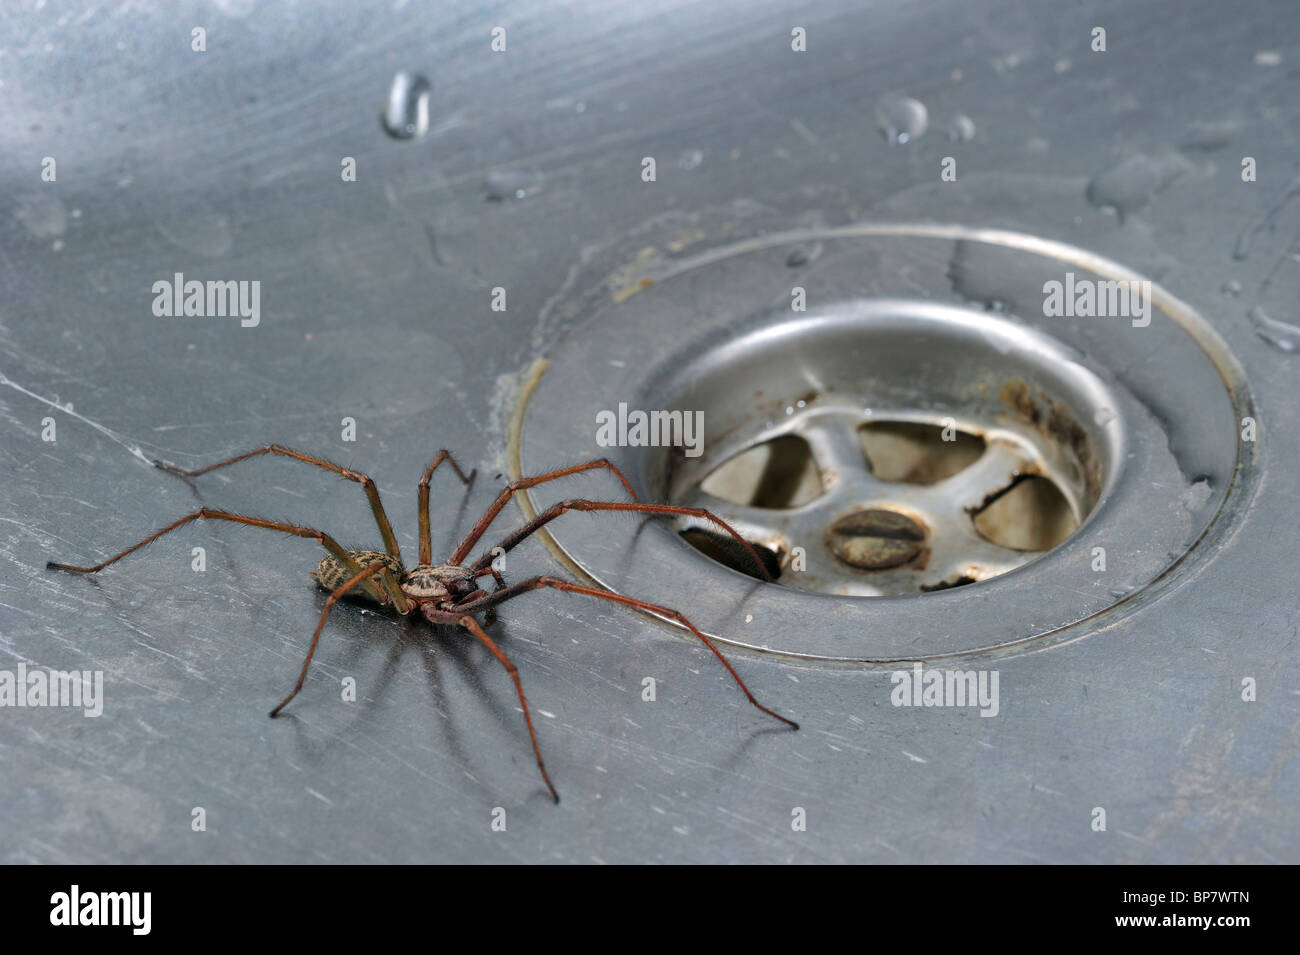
column 372, row 492
column 363, row 576
column 380, row 595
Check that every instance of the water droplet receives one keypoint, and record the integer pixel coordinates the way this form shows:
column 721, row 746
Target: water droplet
column 900, row 118
column 1132, row 182
column 1231, row 287
column 1011, row 61
column 690, row 158
column 1268, row 58
column 236, row 8
column 502, row 184
column 1209, row 135
column 406, row 114
column 961, row 129
column 803, row 254
column 1278, row 334
column 197, row 227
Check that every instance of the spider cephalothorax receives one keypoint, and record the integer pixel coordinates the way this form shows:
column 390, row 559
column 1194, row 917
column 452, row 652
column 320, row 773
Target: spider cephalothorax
column 446, row 582
column 447, row 593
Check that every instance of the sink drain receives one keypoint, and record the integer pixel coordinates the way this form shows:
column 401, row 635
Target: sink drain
column 941, row 447
column 926, row 433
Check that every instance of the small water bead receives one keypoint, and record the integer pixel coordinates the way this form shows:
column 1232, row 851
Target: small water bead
column 406, row 114
column 900, row 118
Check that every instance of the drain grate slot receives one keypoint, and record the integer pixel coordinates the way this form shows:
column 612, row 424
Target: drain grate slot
column 776, row 474
column 910, row 452
column 1031, row 515
column 726, row 551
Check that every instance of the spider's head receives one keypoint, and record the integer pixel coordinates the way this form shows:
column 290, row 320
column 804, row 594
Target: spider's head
column 331, row 573
column 438, row 583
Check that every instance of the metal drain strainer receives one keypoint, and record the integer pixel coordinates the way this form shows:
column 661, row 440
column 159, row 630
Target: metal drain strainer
column 923, row 434
column 907, row 468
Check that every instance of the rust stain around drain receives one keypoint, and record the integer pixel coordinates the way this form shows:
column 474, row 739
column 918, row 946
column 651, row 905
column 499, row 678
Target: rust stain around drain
column 1054, row 421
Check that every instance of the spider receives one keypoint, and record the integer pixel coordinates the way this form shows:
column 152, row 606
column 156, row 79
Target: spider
column 445, row 593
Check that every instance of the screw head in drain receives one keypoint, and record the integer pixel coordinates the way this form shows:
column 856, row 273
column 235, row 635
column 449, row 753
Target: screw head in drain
column 876, row 539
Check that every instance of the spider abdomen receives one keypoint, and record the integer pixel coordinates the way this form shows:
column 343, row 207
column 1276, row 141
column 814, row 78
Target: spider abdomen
column 332, row 573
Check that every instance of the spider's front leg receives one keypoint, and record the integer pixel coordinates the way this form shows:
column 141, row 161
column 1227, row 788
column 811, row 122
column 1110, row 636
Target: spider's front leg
column 490, row 615
column 474, row 627
column 551, row 513
column 510, row 490
column 426, row 549
column 556, row 583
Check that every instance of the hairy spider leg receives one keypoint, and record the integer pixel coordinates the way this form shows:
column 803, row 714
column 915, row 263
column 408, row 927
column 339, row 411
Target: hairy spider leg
column 477, row 531
column 469, row 623
column 536, row 583
column 490, row 617
column 394, row 592
column 556, row 510
column 426, row 549
column 378, row 567
column 372, row 492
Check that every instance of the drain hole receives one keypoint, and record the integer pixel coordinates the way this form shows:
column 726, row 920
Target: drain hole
column 912, row 453
column 779, row 473
column 725, row 550
column 1032, row 514
column 947, row 584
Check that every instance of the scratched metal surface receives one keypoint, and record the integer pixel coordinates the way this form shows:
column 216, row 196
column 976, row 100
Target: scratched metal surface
column 376, row 305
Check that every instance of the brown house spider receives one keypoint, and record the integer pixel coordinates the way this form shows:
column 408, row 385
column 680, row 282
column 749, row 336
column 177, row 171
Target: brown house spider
column 445, row 593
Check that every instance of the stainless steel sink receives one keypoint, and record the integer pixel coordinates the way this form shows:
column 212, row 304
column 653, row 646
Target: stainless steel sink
column 458, row 247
